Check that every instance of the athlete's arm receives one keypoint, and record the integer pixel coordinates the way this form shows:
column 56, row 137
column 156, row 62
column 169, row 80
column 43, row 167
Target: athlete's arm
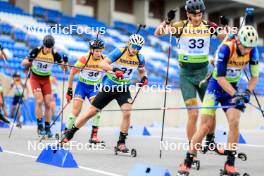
column 223, row 56
column 254, row 69
column 61, row 60
column 162, row 29
column 141, row 67
column 70, row 81
column 215, row 30
column 112, row 57
column 32, row 55
column 105, row 64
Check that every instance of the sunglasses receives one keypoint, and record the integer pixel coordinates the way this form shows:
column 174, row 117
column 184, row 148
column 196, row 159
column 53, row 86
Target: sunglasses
column 136, row 47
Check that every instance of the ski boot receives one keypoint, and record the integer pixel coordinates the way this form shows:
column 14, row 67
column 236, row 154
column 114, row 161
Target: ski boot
column 41, row 131
column 67, row 135
column 229, row 170
column 19, row 125
column 185, row 167
column 48, row 133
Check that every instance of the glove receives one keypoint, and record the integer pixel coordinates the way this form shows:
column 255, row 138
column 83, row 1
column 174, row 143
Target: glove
column 246, row 95
column 69, row 94
column 170, row 15
column 65, row 58
column 224, row 20
column 144, row 81
column 118, row 73
column 238, row 101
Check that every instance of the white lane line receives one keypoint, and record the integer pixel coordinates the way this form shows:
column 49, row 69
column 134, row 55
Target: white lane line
column 81, row 167
column 183, row 139
column 98, row 171
column 19, row 154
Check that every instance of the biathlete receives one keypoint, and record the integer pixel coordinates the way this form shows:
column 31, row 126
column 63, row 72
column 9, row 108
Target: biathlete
column 40, row 60
column 90, row 77
column 222, row 88
column 193, row 50
column 120, row 66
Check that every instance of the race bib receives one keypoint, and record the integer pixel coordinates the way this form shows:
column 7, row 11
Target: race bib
column 233, row 72
column 42, row 67
column 91, row 75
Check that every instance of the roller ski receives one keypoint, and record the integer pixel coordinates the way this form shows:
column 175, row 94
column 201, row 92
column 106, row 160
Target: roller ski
column 184, row 170
column 123, row 150
column 185, row 167
column 221, row 151
column 96, row 142
column 230, row 171
column 210, row 145
column 196, row 163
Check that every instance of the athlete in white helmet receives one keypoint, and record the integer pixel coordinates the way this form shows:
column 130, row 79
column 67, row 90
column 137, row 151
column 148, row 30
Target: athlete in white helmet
column 120, row 65
column 222, row 88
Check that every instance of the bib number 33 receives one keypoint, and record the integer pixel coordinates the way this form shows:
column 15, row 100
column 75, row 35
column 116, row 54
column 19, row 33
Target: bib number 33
column 193, row 43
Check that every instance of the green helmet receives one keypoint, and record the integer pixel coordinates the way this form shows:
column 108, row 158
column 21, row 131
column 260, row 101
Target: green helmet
column 248, row 36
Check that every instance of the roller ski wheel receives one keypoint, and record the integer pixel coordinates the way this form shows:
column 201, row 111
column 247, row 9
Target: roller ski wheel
column 183, row 171
column 242, row 156
column 122, row 149
column 196, row 164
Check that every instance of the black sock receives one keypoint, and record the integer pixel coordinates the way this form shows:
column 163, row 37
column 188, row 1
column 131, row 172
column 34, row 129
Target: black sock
column 210, row 138
column 189, row 159
column 122, row 138
column 231, row 157
column 47, row 126
column 39, row 122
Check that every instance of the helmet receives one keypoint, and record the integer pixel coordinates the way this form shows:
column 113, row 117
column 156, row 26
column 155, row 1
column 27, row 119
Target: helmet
column 48, row 41
column 194, row 6
column 16, row 74
column 248, row 36
column 97, row 44
column 138, row 40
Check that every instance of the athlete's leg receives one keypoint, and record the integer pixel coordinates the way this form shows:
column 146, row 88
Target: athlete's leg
column 206, row 123
column 95, row 125
column 76, row 109
column 53, row 107
column 79, row 96
column 100, row 101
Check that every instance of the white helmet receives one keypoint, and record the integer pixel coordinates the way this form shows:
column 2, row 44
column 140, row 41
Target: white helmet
column 137, row 39
column 248, row 36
